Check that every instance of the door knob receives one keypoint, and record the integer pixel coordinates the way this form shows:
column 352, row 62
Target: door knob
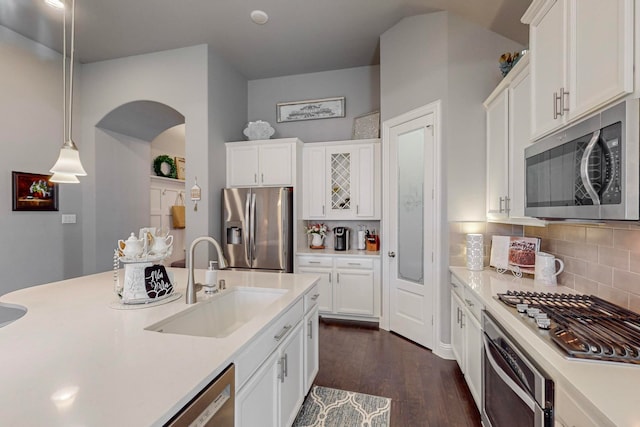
column 391, row 254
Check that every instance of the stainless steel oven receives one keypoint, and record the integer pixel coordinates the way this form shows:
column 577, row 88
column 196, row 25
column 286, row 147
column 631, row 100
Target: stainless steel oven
column 515, row 392
column 589, row 170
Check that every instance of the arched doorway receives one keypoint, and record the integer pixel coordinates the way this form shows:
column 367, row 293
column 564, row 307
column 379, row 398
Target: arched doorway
column 123, row 166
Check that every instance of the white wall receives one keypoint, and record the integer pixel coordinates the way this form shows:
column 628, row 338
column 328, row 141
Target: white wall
column 36, row 247
column 441, row 56
column 360, row 86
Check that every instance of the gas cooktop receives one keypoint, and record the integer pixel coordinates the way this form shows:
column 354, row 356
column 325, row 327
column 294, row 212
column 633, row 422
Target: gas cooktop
column 582, row 326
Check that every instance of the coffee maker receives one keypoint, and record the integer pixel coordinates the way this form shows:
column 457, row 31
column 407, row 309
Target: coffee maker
column 341, row 238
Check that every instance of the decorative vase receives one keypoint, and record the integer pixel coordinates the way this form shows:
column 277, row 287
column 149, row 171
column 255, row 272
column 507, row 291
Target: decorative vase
column 317, row 240
column 475, row 252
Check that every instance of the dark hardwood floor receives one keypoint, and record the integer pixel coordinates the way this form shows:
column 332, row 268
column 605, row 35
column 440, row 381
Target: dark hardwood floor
column 426, row 391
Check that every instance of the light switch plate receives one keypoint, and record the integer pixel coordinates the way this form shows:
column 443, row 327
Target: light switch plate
column 68, row 218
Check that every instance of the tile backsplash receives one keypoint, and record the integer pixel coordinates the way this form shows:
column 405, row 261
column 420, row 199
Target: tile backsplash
column 602, row 260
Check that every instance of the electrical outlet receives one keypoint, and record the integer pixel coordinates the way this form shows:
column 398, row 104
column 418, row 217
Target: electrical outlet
column 68, row 218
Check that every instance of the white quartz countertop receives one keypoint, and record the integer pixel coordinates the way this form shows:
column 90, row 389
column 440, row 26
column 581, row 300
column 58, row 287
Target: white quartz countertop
column 333, row 252
column 74, row 361
column 609, row 388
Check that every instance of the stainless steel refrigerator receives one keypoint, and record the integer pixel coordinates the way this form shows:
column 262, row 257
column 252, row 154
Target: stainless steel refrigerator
column 257, row 228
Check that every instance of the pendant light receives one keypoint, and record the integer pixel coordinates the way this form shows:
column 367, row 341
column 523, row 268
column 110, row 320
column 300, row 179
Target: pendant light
column 68, row 166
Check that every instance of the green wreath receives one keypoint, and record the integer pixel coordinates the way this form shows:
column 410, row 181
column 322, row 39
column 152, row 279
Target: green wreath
column 159, row 161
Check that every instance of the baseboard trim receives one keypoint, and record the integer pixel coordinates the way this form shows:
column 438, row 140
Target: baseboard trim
column 444, row 351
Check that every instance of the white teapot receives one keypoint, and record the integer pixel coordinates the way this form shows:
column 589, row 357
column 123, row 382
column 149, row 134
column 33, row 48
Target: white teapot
column 132, row 247
column 161, row 244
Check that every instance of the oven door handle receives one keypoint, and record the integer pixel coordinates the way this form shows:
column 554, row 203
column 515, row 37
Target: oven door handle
column 528, row 400
column 584, row 168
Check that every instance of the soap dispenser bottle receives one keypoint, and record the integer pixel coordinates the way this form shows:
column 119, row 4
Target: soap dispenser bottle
column 211, row 279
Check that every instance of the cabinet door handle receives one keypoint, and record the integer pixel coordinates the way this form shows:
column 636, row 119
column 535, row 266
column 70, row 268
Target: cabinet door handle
column 322, row 209
column 337, row 277
column 563, row 107
column 281, row 373
column 469, row 303
column 315, row 297
column 507, row 204
column 255, row 178
column 286, row 366
column 262, row 178
column 282, row 333
column 462, row 319
column 310, row 333
column 555, row 105
column 330, row 274
column 458, row 315
column 357, row 209
column 454, row 285
column 501, row 202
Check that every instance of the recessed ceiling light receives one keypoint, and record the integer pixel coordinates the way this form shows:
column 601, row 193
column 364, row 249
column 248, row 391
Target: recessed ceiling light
column 58, row 4
column 259, row 17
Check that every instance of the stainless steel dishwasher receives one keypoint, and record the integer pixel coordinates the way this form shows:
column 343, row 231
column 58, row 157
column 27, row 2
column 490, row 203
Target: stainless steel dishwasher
column 213, row 406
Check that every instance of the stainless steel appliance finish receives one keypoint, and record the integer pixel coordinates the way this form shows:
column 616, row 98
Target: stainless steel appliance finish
column 257, row 230
column 212, row 407
column 515, row 392
column 588, row 171
column 581, row 326
column 342, row 238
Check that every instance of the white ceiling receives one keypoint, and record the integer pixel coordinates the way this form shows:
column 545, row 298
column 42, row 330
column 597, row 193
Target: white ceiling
column 301, row 36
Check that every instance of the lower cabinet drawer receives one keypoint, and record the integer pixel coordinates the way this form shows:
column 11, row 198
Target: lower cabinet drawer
column 321, row 261
column 252, row 357
column 354, row 263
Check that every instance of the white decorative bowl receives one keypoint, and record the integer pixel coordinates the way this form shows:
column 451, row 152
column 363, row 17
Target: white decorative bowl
column 258, row 130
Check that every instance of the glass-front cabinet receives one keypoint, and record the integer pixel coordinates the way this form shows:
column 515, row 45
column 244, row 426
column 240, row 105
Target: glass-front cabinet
column 342, row 180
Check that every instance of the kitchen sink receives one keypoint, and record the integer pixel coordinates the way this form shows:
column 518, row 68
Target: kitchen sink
column 10, row 313
column 221, row 315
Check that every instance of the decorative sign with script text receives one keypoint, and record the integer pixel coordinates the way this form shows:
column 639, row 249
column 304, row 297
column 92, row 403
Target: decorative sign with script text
column 157, row 281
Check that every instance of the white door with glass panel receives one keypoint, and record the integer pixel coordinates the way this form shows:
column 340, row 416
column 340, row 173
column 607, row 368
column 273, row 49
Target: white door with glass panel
column 411, row 231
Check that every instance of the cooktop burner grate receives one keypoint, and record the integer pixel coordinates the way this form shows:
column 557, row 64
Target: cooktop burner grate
column 584, row 326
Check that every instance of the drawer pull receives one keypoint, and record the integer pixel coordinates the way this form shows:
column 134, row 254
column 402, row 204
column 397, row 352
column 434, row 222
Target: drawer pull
column 354, row 263
column 314, row 262
column 286, row 366
column 454, row 285
column 469, row 303
column 282, row 333
column 315, row 297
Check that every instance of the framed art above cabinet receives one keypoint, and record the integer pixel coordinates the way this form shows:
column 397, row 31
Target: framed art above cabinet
column 342, row 180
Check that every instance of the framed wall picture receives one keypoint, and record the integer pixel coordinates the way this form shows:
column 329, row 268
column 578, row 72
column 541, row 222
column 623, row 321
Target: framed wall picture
column 34, row 192
column 327, row 108
column 180, row 173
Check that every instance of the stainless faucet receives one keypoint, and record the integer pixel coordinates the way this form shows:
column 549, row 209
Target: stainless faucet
column 191, row 283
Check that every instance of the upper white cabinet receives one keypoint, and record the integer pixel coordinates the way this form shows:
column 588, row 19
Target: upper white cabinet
column 263, row 163
column 508, row 127
column 581, row 58
column 342, row 180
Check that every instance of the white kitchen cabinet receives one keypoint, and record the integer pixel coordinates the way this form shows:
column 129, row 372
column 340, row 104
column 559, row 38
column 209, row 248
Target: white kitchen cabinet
column 582, row 58
column 466, row 336
column 355, row 292
column 271, row 371
column 257, row 401
column 571, row 411
column 508, row 123
column 262, row 163
column 342, row 180
column 291, row 376
column 311, row 348
column 349, row 287
column 497, row 156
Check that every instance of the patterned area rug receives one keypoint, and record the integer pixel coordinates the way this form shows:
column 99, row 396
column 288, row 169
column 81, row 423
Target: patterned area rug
column 328, row 407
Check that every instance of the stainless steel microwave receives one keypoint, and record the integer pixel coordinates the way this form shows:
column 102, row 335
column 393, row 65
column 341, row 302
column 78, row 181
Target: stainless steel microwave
column 588, row 171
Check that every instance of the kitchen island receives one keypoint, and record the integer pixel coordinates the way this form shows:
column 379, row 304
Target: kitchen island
column 75, row 360
column 588, row 393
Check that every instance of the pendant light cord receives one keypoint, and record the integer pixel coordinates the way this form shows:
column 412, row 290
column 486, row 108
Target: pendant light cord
column 64, row 76
column 73, row 32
